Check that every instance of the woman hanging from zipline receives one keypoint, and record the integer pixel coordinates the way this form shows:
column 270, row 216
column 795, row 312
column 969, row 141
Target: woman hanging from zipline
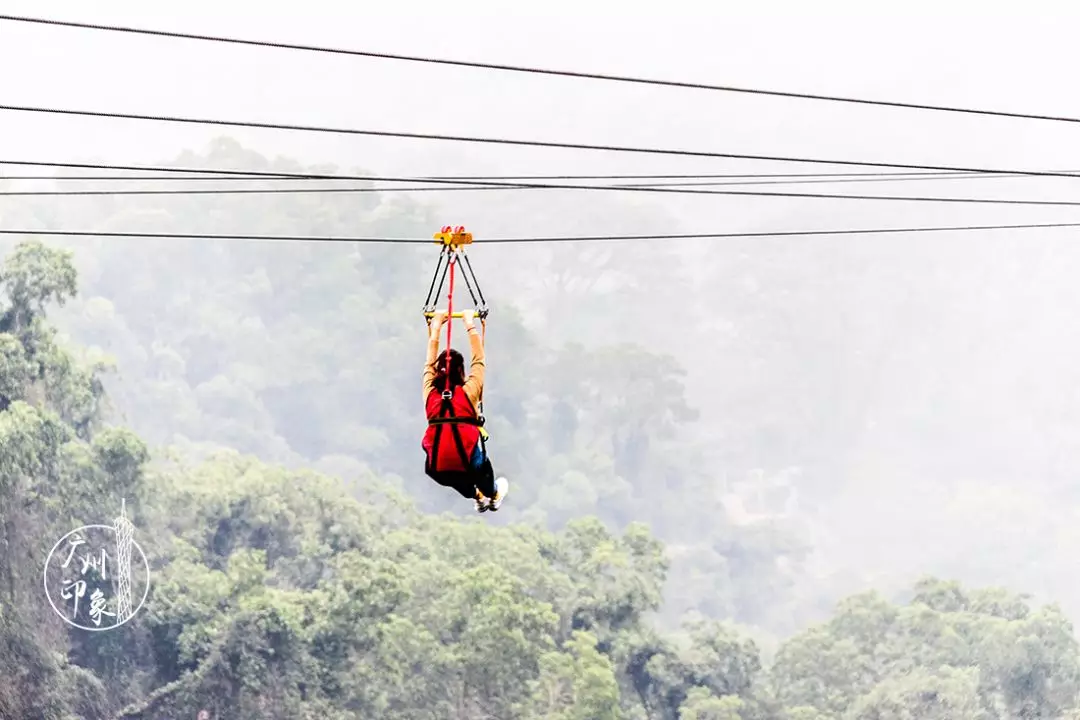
column 454, row 442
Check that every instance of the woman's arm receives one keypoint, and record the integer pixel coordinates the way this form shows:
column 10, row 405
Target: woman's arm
column 432, row 354
column 474, row 385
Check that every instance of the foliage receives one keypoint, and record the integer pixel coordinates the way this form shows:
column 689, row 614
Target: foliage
column 298, row 574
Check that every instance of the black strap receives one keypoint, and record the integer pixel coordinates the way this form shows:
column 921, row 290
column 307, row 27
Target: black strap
column 481, row 307
column 433, row 294
column 448, row 412
column 433, row 461
column 456, row 421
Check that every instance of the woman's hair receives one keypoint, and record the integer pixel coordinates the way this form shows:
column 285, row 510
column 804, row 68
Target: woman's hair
column 457, row 370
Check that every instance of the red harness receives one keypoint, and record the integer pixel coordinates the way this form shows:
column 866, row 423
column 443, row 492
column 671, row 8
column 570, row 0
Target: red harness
column 450, row 449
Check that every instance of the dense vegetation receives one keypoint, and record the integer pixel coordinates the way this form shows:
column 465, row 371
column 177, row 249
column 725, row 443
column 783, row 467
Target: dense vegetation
column 302, row 567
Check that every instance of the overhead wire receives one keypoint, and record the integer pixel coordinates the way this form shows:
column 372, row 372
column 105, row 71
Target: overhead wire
column 507, row 141
column 223, row 172
column 606, row 188
column 482, row 182
column 253, row 175
column 265, row 191
column 950, row 170
column 553, row 239
column 698, row 179
column 308, row 176
column 455, row 185
column 539, row 71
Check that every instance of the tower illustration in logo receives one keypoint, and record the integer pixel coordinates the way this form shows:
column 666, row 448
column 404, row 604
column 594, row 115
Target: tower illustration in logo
column 94, row 574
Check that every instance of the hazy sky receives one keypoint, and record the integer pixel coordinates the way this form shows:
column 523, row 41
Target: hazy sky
column 950, row 53
column 995, row 56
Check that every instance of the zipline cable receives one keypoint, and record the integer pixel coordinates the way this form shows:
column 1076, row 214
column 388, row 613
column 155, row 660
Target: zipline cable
column 254, row 175
column 687, row 183
column 556, row 239
column 506, row 141
column 474, row 183
column 563, row 186
column 541, row 71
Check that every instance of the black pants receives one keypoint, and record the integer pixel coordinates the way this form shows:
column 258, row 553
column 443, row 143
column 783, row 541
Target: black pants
column 468, row 482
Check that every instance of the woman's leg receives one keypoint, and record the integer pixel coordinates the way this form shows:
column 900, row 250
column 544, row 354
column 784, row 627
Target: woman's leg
column 463, row 482
column 483, row 473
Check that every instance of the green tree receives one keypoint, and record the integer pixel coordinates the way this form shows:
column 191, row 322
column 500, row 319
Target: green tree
column 936, row 654
column 577, row 683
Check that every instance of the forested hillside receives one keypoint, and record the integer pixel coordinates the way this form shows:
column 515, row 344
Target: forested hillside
column 257, row 406
column 310, row 355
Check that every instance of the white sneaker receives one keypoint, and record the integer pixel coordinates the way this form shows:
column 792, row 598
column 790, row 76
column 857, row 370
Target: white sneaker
column 502, row 487
column 483, row 504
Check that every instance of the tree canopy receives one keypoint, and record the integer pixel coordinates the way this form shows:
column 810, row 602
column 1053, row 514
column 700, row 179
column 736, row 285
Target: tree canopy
column 256, row 408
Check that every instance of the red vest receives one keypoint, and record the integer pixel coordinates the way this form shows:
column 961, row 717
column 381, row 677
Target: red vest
column 450, row 445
